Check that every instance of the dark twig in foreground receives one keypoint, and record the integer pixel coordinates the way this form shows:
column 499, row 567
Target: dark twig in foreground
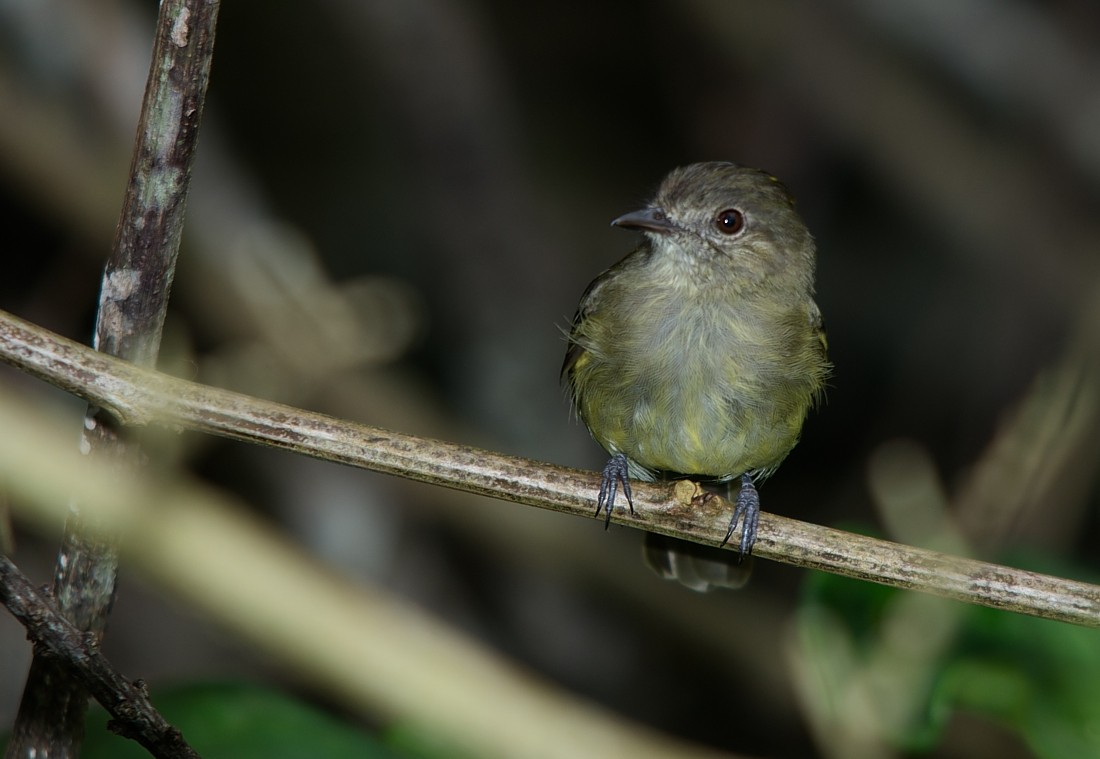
column 139, row 396
column 55, row 638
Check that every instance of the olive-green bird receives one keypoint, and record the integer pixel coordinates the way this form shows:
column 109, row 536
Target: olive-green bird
column 700, row 353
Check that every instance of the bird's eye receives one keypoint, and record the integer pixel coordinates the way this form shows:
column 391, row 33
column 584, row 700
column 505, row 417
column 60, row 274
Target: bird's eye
column 730, row 221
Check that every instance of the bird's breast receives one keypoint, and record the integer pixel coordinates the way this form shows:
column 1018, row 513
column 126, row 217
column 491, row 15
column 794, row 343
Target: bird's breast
column 695, row 382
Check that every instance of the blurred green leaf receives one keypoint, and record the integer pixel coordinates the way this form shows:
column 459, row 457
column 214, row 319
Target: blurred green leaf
column 1036, row 677
column 238, row 721
column 243, row 721
column 419, row 741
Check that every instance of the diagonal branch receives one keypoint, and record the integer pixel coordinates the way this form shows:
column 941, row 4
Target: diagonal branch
column 56, row 638
column 139, row 396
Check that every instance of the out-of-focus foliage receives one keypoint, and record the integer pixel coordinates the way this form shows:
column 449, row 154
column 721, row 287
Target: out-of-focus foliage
column 928, row 662
column 235, row 721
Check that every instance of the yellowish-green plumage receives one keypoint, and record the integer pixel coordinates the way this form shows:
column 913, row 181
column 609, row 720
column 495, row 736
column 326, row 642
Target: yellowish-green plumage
column 701, row 352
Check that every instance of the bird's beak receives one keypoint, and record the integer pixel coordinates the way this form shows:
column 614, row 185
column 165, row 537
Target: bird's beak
column 647, row 220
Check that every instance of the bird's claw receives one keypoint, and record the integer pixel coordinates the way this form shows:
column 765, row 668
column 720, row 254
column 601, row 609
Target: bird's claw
column 747, row 505
column 616, row 473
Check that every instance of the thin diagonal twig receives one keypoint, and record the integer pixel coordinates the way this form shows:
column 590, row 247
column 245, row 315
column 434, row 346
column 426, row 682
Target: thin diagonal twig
column 59, row 640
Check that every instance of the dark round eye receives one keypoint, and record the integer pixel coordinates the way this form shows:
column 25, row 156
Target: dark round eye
column 730, row 221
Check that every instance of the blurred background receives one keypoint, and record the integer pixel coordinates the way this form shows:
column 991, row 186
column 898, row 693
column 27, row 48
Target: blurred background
column 395, row 209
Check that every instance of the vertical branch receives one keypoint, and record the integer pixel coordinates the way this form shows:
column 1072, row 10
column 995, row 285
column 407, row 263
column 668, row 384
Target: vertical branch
column 138, row 276
column 132, row 305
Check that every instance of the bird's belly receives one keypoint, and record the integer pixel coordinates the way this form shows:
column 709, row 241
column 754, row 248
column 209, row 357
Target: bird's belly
column 706, row 417
column 706, row 433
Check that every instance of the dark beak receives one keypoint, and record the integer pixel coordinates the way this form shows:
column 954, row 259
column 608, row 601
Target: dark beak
column 647, row 220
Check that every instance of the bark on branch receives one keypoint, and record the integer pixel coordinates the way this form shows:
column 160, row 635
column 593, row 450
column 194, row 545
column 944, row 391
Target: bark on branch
column 139, row 396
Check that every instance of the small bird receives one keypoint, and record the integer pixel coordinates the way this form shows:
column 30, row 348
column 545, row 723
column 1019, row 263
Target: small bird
column 700, row 353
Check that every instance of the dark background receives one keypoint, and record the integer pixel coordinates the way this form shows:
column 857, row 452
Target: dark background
column 398, row 204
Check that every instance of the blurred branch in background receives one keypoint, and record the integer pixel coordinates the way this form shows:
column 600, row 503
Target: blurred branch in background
column 378, row 655
column 980, row 42
column 1031, row 485
column 877, row 104
column 257, row 282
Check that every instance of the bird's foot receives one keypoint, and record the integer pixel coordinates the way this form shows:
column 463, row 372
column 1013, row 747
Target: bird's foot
column 616, row 473
column 747, row 505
